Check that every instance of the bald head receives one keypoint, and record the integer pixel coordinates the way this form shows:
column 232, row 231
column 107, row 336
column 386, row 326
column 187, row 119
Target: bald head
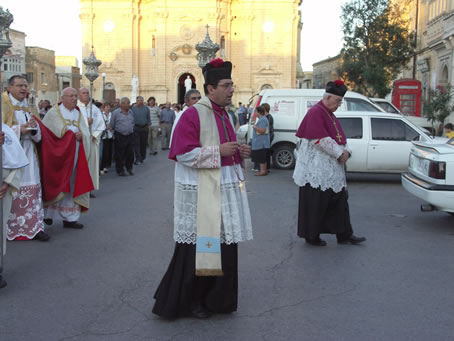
column 84, row 95
column 69, row 98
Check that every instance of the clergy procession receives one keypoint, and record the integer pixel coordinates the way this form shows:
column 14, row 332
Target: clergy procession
column 52, row 168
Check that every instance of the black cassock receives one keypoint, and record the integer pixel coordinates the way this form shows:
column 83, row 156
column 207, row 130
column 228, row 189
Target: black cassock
column 323, row 212
column 180, row 289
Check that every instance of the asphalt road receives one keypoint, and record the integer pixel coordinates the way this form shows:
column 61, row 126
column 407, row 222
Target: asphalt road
column 97, row 283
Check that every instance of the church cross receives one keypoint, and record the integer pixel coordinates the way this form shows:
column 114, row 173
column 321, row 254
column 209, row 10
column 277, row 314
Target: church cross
column 208, row 245
column 207, row 26
column 339, row 136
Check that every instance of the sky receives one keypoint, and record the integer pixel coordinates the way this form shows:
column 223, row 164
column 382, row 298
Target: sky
column 55, row 25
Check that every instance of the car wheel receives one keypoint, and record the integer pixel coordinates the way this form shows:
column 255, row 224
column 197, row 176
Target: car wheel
column 283, row 157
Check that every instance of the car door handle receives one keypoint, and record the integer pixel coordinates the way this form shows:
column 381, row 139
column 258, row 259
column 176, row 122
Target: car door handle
column 374, row 144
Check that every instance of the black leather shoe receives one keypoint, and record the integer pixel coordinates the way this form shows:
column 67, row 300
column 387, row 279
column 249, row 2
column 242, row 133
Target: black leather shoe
column 92, row 195
column 130, row 172
column 42, row 236
column 200, row 312
column 2, row 282
column 352, row 240
column 72, row 224
column 316, row 242
column 48, row 221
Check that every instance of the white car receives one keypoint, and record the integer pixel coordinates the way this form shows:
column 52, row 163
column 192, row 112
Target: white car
column 430, row 175
column 387, row 106
column 241, row 133
column 380, row 142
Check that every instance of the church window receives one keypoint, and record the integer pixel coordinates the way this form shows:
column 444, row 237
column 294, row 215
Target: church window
column 222, row 52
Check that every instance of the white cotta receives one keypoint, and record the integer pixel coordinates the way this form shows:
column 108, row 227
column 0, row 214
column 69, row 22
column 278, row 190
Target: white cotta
column 317, row 165
column 236, row 220
column 13, row 155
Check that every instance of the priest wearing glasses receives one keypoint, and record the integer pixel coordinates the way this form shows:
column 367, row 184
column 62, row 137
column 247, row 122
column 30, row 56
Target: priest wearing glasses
column 211, row 211
column 320, row 172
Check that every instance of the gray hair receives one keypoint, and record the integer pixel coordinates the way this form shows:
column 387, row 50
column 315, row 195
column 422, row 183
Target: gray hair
column 124, row 99
column 326, row 95
column 139, row 97
column 189, row 93
column 63, row 92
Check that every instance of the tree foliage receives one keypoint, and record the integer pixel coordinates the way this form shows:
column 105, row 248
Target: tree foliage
column 377, row 45
column 439, row 107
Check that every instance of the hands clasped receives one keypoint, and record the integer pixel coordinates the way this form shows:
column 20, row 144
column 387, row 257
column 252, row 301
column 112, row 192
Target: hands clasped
column 230, row 148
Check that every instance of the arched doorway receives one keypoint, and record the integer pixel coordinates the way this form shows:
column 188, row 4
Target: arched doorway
column 181, row 87
column 109, row 92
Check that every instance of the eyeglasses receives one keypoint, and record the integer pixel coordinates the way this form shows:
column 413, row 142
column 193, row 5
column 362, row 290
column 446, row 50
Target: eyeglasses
column 21, row 86
column 338, row 100
column 227, row 85
column 194, row 98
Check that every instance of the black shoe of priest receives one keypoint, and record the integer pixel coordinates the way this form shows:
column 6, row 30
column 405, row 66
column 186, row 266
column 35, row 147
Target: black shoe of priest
column 200, row 312
column 316, row 242
column 354, row 240
column 42, row 236
column 72, row 224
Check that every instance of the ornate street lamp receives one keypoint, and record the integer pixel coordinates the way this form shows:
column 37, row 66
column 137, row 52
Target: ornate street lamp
column 91, row 72
column 6, row 18
column 207, row 50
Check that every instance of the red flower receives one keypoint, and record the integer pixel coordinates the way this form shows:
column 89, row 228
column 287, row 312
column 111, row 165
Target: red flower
column 339, row 82
column 217, row 62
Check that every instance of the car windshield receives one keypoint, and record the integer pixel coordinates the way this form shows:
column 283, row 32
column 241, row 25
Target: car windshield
column 387, row 107
column 357, row 104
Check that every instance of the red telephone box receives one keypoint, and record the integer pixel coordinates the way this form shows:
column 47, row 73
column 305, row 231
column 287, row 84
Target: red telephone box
column 407, row 96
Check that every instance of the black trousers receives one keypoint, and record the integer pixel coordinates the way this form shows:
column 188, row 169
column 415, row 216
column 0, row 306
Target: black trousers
column 323, row 212
column 180, row 289
column 106, row 156
column 140, row 142
column 124, row 151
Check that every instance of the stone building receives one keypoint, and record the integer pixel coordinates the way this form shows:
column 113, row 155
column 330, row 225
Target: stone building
column 40, row 69
column 13, row 61
column 152, row 42
column 68, row 72
column 325, row 71
column 434, row 63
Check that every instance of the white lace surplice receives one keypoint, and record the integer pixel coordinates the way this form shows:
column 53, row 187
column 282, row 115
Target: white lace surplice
column 26, row 216
column 317, row 165
column 236, row 220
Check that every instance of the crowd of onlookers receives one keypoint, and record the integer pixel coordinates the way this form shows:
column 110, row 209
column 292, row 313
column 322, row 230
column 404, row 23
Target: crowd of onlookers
column 150, row 126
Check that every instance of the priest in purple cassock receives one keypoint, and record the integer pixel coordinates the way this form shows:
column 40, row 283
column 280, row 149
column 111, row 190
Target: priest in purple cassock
column 211, row 210
column 320, row 172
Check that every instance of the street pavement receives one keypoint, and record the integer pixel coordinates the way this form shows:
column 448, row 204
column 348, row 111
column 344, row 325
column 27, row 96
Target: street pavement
column 98, row 283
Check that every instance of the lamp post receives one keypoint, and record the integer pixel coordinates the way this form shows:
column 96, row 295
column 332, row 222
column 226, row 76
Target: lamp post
column 207, row 50
column 103, row 85
column 91, row 72
column 6, row 18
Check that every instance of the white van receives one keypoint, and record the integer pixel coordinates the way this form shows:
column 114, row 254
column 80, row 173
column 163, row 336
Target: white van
column 288, row 108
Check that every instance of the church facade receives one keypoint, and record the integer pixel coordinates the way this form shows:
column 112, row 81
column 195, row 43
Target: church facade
column 147, row 47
